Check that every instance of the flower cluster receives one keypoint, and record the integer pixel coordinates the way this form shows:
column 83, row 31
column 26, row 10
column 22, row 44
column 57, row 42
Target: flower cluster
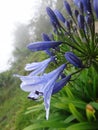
column 75, row 36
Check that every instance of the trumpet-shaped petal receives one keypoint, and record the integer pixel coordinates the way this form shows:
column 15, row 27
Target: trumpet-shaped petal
column 38, row 67
column 73, row 59
column 31, row 83
column 67, row 7
column 59, row 15
column 95, row 4
column 41, row 86
column 43, row 45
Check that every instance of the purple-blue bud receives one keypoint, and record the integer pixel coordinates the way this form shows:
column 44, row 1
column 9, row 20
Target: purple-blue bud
column 60, row 84
column 45, row 37
column 68, row 8
column 67, row 25
column 88, row 20
column 86, row 5
column 80, row 5
column 52, row 16
column 43, row 45
column 95, row 4
column 59, row 15
column 81, row 21
column 73, row 59
column 76, row 12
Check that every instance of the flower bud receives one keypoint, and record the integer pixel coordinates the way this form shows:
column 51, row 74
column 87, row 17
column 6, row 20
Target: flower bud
column 45, row 37
column 76, row 12
column 67, row 7
column 67, row 25
column 95, row 4
column 59, row 15
column 80, row 4
column 52, row 16
column 90, row 112
column 81, row 21
column 73, row 59
column 88, row 20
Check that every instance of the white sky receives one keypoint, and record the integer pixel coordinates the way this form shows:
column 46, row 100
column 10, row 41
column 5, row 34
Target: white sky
column 11, row 12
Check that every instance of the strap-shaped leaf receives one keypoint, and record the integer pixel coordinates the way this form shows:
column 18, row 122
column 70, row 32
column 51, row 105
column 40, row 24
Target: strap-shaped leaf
column 76, row 113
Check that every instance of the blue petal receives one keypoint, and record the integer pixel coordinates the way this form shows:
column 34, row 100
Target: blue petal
column 49, row 87
column 59, row 15
column 68, row 9
column 32, row 83
column 41, row 85
column 45, row 37
column 95, row 4
column 76, row 12
column 36, row 65
column 52, row 16
column 59, row 85
column 73, row 59
column 43, row 45
column 81, row 21
column 86, row 4
column 67, row 25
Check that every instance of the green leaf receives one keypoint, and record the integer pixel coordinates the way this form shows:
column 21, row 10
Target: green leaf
column 45, row 124
column 77, row 103
column 69, row 93
column 83, row 126
column 76, row 113
column 69, row 119
column 34, row 108
column 95, row 105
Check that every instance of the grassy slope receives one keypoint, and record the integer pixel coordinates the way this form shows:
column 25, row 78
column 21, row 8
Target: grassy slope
column 14, row 101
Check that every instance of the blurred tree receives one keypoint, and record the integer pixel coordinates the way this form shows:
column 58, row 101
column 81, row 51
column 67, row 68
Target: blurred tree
column 41, row 21
column 21, row 35
column 21, row 39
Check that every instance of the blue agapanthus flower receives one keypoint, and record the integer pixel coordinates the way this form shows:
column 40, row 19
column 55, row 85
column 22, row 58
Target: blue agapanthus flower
column 77, row 34
column 43, row 85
